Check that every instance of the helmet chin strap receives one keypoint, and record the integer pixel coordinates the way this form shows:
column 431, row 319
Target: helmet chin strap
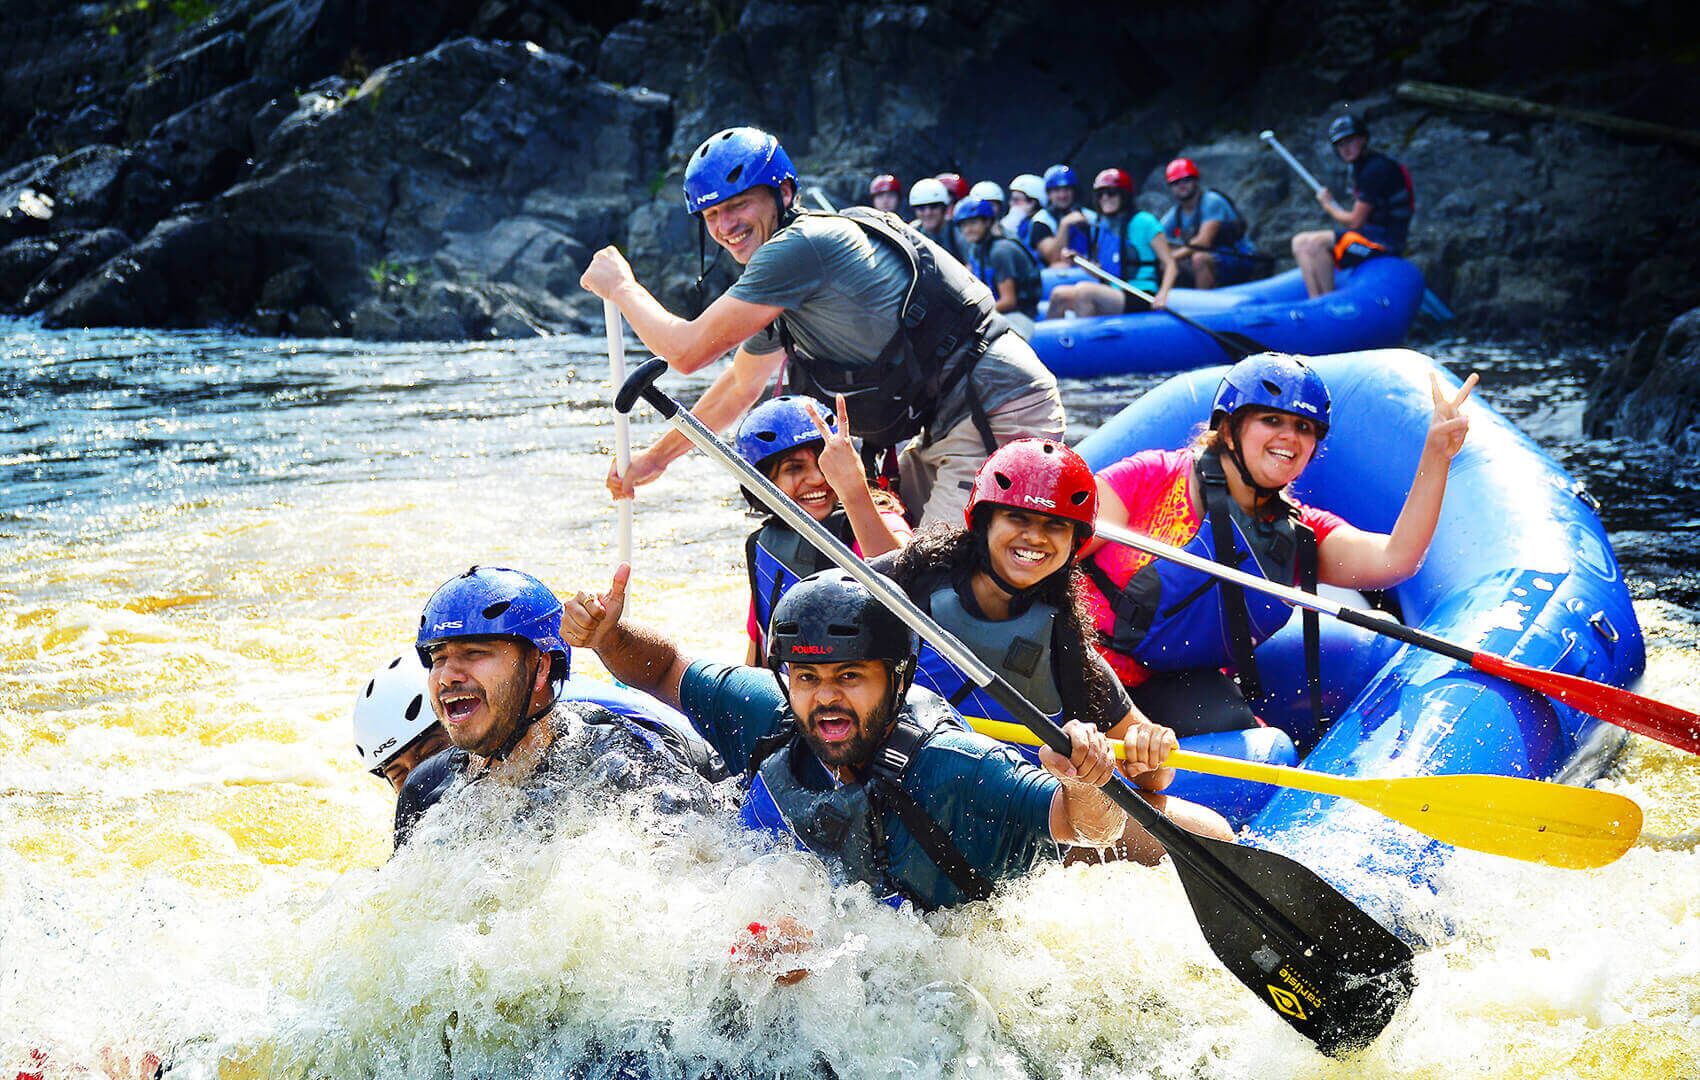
column 1261, row 493
column 522, row 723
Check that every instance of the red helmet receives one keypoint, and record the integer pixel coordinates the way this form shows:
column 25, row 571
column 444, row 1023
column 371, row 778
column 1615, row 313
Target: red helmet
column 1180, row 169
column 1113, row 178
column 883, row 182
column 954, row 184
column 1040, row 476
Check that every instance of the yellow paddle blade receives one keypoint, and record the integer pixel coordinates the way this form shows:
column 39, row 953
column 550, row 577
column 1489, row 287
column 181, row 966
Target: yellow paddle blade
column 1573, row 827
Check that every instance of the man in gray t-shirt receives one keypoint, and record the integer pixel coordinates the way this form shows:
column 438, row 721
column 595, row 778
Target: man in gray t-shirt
column 840, row 292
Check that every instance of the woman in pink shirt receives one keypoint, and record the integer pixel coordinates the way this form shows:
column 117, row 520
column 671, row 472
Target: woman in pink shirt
column 1168, row 631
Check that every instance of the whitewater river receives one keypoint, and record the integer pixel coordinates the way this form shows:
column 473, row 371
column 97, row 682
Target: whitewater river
column 208, row 542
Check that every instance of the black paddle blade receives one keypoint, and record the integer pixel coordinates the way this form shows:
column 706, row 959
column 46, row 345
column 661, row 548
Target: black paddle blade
column 1332, row 972
column 1240, row 345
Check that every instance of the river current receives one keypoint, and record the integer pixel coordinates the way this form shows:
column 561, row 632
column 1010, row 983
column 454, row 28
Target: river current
column 208, row 542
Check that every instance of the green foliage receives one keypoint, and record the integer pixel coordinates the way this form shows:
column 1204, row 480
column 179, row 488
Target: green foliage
column 658, row 183
column 190, row 12
column 388, row 275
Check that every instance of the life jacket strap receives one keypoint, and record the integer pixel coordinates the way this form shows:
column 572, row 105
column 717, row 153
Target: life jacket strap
column 890, row 763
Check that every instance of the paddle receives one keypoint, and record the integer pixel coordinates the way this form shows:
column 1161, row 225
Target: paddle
column 1332, row 972
column 1642, row 715
column 622, row 429
column 1235, row 345
column 1573, row 827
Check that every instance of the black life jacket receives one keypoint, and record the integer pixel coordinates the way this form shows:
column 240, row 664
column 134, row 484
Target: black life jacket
column 845, row 824
column 946, row 322
column 1020, row 649
column 778, row 557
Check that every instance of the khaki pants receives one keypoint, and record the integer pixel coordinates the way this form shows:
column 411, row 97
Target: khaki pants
column 938, row 479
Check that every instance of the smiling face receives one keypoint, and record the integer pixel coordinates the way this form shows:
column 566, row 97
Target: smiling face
column 1062, row 198
column 974, row 230
column 1110, row 200
column 841, row 708
column 1276, row 446
column 798, row 475
column 931, row 217
column 744, row 222
column 483, row 688
column 1027, row 547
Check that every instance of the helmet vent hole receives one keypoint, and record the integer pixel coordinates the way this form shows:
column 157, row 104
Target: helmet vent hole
column 1078, row 498
column 1273, row 388
column 421, row 622
column 737, row 171
column 394, row 662
column 413, row 708
column 1050, row 448
column 843, row 630
column 1003, row 481
column 768, row 436
column 496, row 609
column 785, row 629
column 372, row 684
column 358, row 749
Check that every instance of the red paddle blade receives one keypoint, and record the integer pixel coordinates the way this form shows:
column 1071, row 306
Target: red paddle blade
column 1642, row 715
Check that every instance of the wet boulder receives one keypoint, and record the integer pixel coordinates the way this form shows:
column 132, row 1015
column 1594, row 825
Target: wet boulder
column 75, row 260
column 1652, row 391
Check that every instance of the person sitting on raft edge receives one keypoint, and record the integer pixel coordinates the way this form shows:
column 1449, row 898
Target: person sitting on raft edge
column 490, row 640
column 855, row 303
column 1383, row 201
column 841, row 752
column 1006, row 586
column 813, row 462
column 1168, row 631
column 1128, row 242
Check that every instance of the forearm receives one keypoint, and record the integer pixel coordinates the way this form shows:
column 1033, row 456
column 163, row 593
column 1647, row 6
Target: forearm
column 644, row 660
column 1006, row 301
column 1408, row 544
column 1088, row 817
column 663, row 333
column 1206, row 238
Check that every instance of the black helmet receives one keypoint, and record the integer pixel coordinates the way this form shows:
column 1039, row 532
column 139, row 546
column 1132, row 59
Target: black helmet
column 831, row 618
column 1345, row 126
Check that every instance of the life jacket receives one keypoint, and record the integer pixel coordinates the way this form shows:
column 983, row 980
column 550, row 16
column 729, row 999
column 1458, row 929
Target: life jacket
column 1029, row 287
column 1171, row 618
column 672, row 744
column 792, row 794
column 1017, row 648
column 1354, row 247
column 946, row 323
column 1231, row 236
column 778, row 557
column 1112, row 251
column 1078, row 240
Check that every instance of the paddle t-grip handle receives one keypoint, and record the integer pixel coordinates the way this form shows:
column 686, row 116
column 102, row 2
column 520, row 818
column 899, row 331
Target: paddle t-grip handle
column 641, row 383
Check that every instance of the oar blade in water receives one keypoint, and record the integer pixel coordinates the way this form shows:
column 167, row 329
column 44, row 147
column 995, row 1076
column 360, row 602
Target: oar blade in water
column 1333, row 973
column 1573, row 827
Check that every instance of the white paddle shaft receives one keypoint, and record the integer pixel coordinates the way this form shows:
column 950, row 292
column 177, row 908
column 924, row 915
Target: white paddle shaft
column 1304, row 173
column 622, row 430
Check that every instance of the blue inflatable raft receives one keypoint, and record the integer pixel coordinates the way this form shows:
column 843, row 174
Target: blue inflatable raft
column 1372, row 307
column 1520, row 566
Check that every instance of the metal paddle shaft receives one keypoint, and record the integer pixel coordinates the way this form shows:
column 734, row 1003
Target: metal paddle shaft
column 1642, row 715
column 1304, row 173
column 622, row 427
column 1332, row 972
column 1238, row 346
column 1555, row 824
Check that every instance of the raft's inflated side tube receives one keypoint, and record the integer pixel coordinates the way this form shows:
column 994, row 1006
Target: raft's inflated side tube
column 1372, row 306
column 1520, row 566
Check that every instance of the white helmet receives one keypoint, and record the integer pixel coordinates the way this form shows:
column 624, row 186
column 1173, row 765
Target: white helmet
column 985, row 189
column 1029, row 185
column 391, row 712
column 928, row 192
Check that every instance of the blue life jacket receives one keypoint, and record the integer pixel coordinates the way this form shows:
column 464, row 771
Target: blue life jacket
column 791, row 794
column 1171, row 618
column 1019, row 649
column 778, row 557
column 1078, row 239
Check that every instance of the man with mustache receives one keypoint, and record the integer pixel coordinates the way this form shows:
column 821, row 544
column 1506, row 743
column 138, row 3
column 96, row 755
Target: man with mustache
column 490, row 640
column 856, row 303
column 877, row 777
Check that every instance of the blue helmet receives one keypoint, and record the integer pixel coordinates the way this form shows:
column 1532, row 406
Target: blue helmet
column 1059, row 176
column 1273, row 381
column 492, row 601
column 971, row 208
column 777, row 426
column 733, row 162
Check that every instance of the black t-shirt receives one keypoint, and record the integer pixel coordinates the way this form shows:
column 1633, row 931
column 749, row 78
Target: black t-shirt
column 1003, row 259
column 593, row 748
column 1380, row 181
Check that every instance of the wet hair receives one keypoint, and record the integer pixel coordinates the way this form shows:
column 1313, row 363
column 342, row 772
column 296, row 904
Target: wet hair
column 959, row 552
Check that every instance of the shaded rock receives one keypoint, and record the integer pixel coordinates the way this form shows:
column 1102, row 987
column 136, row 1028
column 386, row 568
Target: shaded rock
column 180, row 274
column 205, row 147
column 85, row 185
column 196, row 73
column 22, row 261
column 75, row 260
column 1652, row 391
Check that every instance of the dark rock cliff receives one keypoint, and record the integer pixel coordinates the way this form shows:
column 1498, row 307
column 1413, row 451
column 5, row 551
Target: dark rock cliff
column 443, row 169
